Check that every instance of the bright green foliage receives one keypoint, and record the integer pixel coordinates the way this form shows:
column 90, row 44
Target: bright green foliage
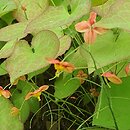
column 24, row 60
column 51, row 23
column 119, row 97
column 7, row 120
column 14, row 31
column 33, row 8
column 66, row 86
column 6, row 6
column 118, row 16
column 106, row 50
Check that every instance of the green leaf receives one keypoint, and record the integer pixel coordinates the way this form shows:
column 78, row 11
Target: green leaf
column 53, row 17
column 35, row 73
column 98, row 2
column 2, row 23
column 23, row 60
column 14, row 31
column 118, row 16
column 106, row 50
column 79, row 8
column 18, row 99
column 65, row 43
column 33, row 9
column 65, row 87
column 34, row 104
column 76, row 59
column 25, row 88
column 7, row 120
column 94, row 128
column 104, row 9
column 7, row 49
column 6, row 6
column 119, row 100
column 3, row 70
column 57, row 16
column 8, row 18
column 23, row 105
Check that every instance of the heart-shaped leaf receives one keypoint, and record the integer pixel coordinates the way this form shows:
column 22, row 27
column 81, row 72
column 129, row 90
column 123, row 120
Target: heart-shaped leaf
column 23, row 60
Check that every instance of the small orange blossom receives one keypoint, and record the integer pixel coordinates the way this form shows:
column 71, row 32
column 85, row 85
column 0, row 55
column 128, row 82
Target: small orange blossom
column 61, row 66
column 4, row 93
column 37, row 92
column 90, row 31
column 112, row 77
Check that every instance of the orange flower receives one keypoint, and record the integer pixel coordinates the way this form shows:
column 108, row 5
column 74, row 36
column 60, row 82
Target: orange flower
column 14, row 111
column 127, row 69
column 61, row 66
column 81, row 75
column 4, row 93
column 37, row 92
column 112, row 77
column 90, row 31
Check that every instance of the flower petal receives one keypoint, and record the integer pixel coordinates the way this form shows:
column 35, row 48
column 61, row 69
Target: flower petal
column 92, row 18
column 90, row 36
column 43, row 88
column 53, row 61
column 29, row 95
column 37, row 92
column 82, row 26
column 127, row 69
column 67, row 67
column 100, row 30
column 6, row 93
column 112, row 77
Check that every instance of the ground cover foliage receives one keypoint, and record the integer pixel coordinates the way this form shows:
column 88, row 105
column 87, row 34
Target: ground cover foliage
column 64, row 64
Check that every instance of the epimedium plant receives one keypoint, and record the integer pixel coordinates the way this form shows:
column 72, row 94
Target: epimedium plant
column 82, row 45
